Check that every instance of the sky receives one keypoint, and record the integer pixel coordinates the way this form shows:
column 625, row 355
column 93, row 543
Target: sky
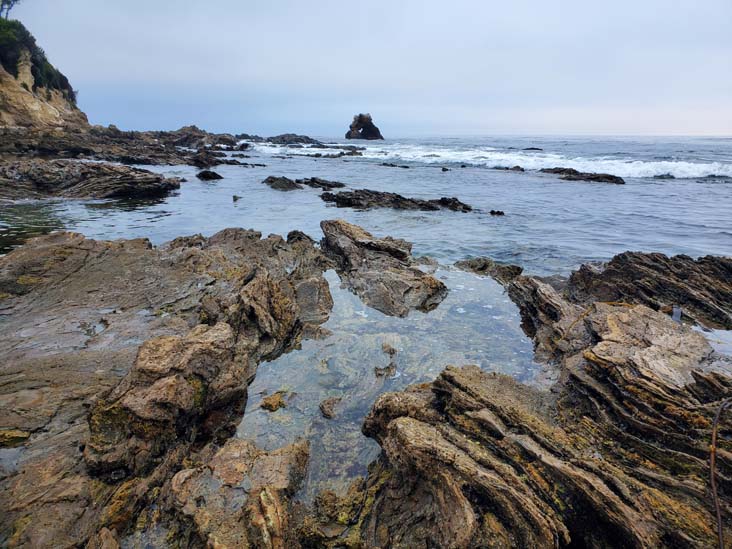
column 421, row 68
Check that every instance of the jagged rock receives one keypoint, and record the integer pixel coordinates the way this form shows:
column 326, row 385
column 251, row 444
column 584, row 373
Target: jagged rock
column 570, row 174
column 22, row 179
column 365, row 199
column 380, row 271
column 281, row 183
column 702, row 288
column 614, row 456
column 486, row 266
column 117, row 356
column 208, row 175
column 363, row 127
column 241, row 497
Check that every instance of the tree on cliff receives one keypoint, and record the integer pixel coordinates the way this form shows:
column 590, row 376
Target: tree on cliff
column 6, row 6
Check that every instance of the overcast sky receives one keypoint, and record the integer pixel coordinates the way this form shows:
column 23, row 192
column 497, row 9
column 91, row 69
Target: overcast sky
column 420, row 67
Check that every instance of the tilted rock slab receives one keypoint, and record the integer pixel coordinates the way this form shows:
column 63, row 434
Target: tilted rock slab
column 380, row 270
column 23, row 179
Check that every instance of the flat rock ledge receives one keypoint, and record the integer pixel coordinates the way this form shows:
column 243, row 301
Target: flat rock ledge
column 24, row 179
column 380, row 271
column 365, row 199
column 616, row 455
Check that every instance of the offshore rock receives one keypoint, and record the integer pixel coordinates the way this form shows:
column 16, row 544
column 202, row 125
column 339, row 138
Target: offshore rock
column 380, row 271
column 363, row 127
column 281, row 183
column 119, row 356
column 365, row 199
column 615, row 456
column 570, row 174
column 23, row 179
column 702, row 287
column 208, row 175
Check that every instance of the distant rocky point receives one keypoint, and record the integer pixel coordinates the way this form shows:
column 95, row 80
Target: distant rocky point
column 363, row 127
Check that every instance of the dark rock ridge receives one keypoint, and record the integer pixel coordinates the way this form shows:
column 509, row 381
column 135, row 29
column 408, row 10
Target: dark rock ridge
column 363, row 127
column 702, row 287
column 281, row 183
column 392, row 165
column 318, row 183
column 121, row 360
column 570, row 174
column 486, row 266
column 615, row 456
column 208, row 175
column 292, row 138
column 380, row 270
column 23, row 179
column 365, row 199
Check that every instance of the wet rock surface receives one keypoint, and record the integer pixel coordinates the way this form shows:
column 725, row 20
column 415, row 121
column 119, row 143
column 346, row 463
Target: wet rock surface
column 287, row 184
column 570, row 174
column 701, row 288
column 363, row 127
column 615, row 455
column 281, row 183
column 208, row 175
column 121, row 358
column 23, row 179
column 365, row 199
column 486, row 266
column 380, row 270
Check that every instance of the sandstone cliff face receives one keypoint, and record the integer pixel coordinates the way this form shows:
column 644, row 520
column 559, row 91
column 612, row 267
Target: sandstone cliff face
column 22, row 106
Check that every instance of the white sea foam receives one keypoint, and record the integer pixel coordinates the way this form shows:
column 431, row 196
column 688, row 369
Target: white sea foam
column 491, row 157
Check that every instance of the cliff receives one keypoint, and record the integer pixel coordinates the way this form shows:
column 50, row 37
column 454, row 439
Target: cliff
column 33, row 93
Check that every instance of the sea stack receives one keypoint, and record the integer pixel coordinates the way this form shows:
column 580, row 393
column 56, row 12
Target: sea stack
column 363, row 127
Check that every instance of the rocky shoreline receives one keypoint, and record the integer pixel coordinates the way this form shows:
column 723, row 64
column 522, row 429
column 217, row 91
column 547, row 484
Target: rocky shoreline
column 155, row 367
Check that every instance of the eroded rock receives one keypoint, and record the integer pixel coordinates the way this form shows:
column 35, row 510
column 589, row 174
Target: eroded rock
column 486, row 266
column 363, row 127
column 23, row 179
column 702, row 287
column 380, row 270
column 119, row 356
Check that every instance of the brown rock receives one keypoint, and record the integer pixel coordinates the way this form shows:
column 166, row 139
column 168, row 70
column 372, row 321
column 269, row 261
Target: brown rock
column 380, row 271
column 274, row 402
column 486, row 266
column 22, row 179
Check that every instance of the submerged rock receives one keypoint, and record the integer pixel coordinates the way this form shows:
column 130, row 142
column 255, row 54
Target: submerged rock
column 486, row 266
column 327, row 407
column 380, row 271
column 365, row 199
column 363, row 127
column 570, row 174
column 34, row 178
column 242, row 496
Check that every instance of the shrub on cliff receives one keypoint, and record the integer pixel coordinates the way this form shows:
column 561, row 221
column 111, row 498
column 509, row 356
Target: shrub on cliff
column 14, row 38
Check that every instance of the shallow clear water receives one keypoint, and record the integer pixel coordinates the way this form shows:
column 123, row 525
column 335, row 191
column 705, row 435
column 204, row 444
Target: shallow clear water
column 475, row 324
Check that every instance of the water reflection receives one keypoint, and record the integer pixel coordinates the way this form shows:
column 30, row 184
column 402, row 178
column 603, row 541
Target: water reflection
column 20, row 221
column 475, row 324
